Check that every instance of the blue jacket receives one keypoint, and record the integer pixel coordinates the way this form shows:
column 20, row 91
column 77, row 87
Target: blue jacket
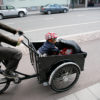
column 48, row 48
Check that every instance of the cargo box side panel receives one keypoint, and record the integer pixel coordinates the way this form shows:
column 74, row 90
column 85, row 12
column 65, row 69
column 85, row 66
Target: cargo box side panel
column 44, row 63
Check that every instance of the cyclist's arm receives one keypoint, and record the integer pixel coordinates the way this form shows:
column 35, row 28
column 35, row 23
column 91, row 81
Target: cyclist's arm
column 7, row 28
column 7, row 40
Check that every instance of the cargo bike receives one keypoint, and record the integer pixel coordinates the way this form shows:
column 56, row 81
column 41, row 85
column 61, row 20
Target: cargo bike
column 60, row 72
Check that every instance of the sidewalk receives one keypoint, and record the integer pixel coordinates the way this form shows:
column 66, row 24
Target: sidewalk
column 87, row 87
column 90, row 93
column 84, row 9
column 75, row 9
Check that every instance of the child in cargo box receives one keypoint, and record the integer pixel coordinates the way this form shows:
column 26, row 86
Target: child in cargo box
column 49, row 48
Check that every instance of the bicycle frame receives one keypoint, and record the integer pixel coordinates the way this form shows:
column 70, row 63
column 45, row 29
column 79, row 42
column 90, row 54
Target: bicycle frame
column 47, row 68
column 33, row 48
column 25, row 76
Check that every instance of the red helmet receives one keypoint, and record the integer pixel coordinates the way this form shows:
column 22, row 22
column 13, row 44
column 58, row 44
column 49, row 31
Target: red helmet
column 50, row 36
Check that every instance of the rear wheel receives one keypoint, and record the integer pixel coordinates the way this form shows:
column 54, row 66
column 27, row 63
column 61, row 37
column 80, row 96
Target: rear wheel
column 64, row 76
column 21, row 14
column 49, row 12
column 4, row 83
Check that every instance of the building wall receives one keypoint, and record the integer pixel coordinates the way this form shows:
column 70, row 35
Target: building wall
column 0, row 2
column 84, row 3
column 28, row 3
column 32, row 3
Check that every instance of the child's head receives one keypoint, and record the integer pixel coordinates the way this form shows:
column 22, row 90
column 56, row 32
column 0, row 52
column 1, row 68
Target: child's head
column 51, row 37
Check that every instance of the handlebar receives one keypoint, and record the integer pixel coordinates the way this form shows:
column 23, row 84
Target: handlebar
column 28, row 45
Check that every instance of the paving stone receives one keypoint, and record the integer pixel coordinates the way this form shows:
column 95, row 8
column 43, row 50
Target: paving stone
column 69, row 97
column 85, row 94
column 95, row 90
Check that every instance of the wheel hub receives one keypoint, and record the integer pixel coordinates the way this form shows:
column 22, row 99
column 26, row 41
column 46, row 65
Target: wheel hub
column 65, row 77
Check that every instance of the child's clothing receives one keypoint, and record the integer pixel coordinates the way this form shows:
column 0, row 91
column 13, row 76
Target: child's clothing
column 48, row 48
column 66, row 51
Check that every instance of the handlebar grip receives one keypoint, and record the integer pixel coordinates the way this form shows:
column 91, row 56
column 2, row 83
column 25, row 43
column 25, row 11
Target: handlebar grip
column 20, row 33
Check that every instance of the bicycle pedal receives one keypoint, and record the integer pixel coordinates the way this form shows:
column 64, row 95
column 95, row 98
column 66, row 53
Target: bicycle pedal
column 17, row 80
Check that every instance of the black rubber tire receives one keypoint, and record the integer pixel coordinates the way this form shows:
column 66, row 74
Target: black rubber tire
column 65, row 11
column 49, row 12
column 4, row 84
column 1, row 16
column 21, row 14
column 60, row 78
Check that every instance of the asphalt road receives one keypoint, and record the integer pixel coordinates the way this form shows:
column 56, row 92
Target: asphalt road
column 74, row 22
column 35, row 27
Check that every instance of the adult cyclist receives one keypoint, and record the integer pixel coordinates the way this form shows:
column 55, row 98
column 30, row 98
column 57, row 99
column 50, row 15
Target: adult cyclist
column 10, row 56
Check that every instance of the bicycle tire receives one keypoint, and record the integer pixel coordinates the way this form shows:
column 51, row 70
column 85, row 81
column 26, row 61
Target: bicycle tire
column 64, row 73
column 4, row 83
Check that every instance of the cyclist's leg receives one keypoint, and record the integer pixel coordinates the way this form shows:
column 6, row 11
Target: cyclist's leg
column 12, row 56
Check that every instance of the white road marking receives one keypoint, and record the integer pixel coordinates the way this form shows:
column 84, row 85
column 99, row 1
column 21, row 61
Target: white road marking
column 80, row 15
column 49, row 18
column 62, row 26
column 10, row 23
column 84, row 33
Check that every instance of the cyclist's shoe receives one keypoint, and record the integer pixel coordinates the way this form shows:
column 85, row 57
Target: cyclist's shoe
column 10, row 74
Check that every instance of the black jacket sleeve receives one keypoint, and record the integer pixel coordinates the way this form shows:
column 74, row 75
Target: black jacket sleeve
column 7, row 40
column 7, row 28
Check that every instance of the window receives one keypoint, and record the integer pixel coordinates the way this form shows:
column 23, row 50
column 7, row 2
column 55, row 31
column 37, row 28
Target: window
column 3, row 8
column 10, row 7
column 57, row 6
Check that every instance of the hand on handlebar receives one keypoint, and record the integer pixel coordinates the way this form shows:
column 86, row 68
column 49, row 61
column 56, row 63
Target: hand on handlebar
column 20, row 39
column 20, row 33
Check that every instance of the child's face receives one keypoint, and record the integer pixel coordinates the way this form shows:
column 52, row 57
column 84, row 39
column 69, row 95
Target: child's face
column 53, row 40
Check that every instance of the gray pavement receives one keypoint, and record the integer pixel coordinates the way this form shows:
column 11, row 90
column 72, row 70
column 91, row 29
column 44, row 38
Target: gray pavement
column 90, row 93
column 87, row 87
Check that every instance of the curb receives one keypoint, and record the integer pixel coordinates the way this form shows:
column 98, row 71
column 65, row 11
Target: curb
column 79, row 38
column 83, row 37
column 84, row 9
column 70, row 10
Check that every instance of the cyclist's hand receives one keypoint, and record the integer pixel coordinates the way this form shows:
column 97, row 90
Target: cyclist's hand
column 20, row 39
column 20, row 33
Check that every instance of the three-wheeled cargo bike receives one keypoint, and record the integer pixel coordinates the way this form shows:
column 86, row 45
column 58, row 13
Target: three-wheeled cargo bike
column 60, row 72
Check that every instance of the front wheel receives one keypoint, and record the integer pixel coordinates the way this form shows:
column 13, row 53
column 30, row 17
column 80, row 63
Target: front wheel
column 4, row 83
column 65, row 11
column 21, row 14
column 64, row 76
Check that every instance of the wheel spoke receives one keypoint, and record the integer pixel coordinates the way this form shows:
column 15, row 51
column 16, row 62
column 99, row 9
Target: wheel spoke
column 65, row 77
column 4, row 83
column 3, row 80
